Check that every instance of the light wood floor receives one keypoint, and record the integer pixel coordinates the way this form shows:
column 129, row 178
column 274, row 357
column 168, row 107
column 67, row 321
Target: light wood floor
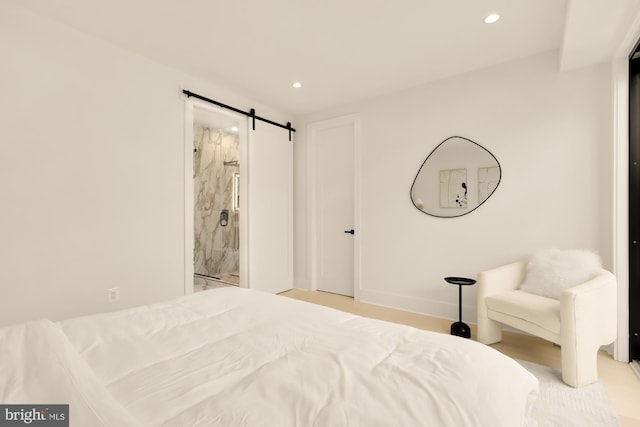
column 618, row 378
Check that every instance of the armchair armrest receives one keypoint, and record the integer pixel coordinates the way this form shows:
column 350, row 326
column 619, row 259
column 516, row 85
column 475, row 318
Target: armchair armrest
column 501, row 279
column 588, row 319
column 593, row 306
column 495, row 281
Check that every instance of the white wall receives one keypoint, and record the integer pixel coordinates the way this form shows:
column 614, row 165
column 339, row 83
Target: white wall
column 91, row 171
column 551, row 133
column 92, row 179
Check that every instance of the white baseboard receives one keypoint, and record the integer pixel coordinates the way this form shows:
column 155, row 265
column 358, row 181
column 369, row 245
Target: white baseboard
column 442, row 310
column 608, row 348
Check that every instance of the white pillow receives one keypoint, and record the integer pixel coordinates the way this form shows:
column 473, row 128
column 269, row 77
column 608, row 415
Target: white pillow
column 551, row 271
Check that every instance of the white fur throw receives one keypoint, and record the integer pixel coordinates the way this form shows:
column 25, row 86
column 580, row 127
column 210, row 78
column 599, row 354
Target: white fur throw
column 551, row 271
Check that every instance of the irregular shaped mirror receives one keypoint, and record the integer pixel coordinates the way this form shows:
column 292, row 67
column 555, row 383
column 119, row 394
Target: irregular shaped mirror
column 456, row 178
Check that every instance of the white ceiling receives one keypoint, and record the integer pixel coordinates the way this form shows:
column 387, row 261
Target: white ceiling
column 343, row 51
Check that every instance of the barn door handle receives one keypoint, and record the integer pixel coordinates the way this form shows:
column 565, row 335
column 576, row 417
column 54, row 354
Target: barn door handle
column 350, row 231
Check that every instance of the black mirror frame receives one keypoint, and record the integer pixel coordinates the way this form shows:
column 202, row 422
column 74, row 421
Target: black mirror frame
column 425, row 161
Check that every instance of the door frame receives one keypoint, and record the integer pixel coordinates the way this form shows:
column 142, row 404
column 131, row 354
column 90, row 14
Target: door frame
column 243, row 129
column 634, row 206
column 620, row 152
column 313, row 129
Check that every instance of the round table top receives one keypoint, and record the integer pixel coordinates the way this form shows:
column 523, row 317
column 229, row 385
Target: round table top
column 460, row 281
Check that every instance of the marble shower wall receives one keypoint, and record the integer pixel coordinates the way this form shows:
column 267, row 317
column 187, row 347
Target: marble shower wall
column 216, row 249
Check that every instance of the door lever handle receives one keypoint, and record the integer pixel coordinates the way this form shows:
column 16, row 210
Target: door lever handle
column 350, row 231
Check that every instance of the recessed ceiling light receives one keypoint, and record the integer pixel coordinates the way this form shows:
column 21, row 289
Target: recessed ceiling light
column 234, row 129
column 297, row 85
column 491, row 18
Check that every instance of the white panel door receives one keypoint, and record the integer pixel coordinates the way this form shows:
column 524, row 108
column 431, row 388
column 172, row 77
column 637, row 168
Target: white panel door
column 270, row 205
column 333, row 163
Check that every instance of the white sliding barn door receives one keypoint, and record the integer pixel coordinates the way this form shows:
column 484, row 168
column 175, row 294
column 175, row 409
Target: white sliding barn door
column 270, row 206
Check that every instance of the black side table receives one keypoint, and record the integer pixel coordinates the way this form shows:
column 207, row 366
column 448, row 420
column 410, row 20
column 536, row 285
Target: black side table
column 460, row 328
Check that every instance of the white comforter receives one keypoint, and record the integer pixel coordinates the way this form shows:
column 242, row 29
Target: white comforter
column 234, row 357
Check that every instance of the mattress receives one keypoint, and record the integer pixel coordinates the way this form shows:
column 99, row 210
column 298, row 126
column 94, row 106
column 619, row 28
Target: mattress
column 236, row 357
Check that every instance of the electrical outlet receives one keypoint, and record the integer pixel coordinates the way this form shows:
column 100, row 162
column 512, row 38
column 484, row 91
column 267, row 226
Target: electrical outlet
column 114, row 294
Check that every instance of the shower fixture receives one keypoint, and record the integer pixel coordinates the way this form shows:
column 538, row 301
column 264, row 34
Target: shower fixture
column 231, row 163
column 224, row 217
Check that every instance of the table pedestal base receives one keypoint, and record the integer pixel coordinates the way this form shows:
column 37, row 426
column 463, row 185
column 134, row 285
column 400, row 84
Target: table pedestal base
column 461, row 329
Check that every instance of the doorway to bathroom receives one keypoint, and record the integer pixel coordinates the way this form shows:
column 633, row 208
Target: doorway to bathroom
column 249, row 216
column 217, row 198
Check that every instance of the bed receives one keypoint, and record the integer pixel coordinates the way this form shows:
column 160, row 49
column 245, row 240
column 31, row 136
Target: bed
column 236, row 357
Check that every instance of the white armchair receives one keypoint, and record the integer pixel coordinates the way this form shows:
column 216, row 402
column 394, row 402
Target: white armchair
column 584, row 318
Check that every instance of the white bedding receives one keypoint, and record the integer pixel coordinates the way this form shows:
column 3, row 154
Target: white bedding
column 38, row 365
column 234, row 357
